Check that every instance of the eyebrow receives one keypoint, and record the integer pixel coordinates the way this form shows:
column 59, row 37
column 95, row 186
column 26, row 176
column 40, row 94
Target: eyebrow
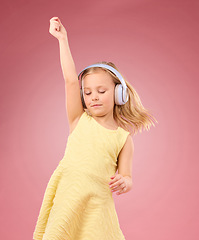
column 96, row 87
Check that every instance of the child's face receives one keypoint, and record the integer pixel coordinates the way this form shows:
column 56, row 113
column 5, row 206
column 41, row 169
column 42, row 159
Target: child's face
column 99, row 89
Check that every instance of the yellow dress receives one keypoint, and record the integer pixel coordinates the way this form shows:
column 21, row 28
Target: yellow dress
column 78, row 202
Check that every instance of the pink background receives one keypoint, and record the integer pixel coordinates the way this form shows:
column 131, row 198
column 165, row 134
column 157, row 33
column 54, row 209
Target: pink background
column 155, row 46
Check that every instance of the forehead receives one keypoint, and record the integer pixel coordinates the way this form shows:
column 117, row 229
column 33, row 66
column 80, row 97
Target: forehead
column 97, row 79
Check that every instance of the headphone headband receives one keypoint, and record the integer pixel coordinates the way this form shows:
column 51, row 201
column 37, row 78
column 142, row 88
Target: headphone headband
column 109, row 68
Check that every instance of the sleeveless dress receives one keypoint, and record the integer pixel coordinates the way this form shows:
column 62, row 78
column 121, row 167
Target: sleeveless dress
column 78, row 202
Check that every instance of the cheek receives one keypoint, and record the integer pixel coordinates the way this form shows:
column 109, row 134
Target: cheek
column 86, row 99
column 108, row 99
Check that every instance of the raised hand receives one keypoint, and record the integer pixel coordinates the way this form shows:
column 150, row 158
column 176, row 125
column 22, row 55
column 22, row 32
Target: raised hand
column 57, row 29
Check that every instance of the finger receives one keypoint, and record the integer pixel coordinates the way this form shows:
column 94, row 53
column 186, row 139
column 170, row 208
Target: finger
column 112, row 181
column 123, row 185
column 121, row 191
column 58, row 20
column 118, row 182
column 113, row 189
column 55, row 25
column 114, row 178
column 54, row 22
column 54, row 18
column 120, row 187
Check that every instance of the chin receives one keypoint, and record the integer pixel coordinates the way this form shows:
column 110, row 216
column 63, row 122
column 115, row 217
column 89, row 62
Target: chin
column 95, row 112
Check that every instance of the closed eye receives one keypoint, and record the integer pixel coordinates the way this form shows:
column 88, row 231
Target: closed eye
column 99, row 92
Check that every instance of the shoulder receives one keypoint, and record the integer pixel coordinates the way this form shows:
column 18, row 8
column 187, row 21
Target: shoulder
column 129, row 141
column 125, row 140
column 124, row 134
column 128, row 145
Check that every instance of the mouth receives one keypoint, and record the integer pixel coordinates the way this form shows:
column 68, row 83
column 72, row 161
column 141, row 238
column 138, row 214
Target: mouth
column 96, row 105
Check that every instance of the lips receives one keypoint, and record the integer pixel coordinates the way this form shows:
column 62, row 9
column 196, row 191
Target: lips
column 96, row 105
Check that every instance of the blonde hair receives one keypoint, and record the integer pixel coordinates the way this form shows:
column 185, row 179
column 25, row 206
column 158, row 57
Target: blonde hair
column 131, row 116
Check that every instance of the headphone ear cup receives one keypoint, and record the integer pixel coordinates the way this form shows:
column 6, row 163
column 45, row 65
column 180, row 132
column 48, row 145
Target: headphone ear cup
column 118, row 94
column 82, row 98
column 127, row 95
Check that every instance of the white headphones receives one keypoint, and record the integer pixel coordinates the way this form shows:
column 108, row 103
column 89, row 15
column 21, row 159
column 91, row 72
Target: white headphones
column 121, row 90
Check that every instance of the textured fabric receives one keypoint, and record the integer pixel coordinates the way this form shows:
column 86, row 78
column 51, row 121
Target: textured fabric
column 78, row 202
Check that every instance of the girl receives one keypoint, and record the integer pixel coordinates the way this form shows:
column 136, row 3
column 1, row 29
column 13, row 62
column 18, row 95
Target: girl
column 78, row 202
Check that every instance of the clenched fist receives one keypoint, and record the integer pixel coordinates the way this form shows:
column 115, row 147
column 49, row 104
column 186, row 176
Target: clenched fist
column 57, row 29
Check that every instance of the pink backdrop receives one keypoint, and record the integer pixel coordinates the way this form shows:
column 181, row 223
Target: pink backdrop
column 155, row 45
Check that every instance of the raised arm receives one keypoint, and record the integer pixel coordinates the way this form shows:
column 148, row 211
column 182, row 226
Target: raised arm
column 74, row 107
column 67, row 63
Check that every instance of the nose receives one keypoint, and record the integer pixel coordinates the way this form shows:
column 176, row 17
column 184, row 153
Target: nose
column 95, row 96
